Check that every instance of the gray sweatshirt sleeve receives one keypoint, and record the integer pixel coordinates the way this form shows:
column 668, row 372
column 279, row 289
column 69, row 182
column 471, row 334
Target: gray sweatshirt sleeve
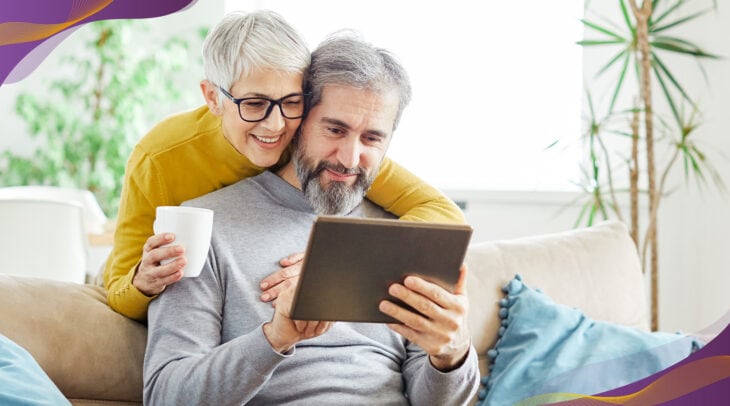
column 185, row 362
column 426, row 385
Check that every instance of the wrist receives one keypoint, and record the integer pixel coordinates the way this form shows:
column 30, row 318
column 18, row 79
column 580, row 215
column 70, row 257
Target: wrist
column 276, row 342
column 448, row 363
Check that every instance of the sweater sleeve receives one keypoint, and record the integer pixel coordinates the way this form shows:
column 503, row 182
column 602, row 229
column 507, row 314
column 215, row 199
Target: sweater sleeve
column 185, row 362
column 134, row 227
column 402, row 193
column 426, row 385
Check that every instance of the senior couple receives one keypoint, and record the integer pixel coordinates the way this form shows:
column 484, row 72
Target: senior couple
column 226, row 337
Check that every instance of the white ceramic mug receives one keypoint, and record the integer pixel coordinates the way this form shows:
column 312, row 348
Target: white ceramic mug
column 192, row 227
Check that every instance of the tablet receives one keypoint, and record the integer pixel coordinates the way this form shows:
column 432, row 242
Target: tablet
column 350, row 263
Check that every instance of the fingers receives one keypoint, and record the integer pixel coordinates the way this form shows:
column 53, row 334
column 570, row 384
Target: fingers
column 291, row 259
column 310, row 328
column 161, row 264
column 270, row 285
column 438, row 324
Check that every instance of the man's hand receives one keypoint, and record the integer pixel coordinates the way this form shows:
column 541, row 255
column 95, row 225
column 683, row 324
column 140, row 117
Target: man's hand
column 271, row 285
column 152, row 276
column 441, row 328
column 282, row 332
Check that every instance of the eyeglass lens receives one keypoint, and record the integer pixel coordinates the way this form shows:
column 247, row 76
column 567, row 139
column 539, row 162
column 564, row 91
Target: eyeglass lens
column 256, row 109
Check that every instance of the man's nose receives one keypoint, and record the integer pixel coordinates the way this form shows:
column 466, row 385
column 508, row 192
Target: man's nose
column 349, row 152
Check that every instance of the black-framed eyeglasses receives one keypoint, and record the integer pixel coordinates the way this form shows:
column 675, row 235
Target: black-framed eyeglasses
column 255, row 109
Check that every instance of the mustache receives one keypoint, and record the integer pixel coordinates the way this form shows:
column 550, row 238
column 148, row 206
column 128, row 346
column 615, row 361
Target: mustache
column 337, row 168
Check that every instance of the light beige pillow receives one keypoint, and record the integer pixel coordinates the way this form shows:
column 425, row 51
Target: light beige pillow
column 594, row 269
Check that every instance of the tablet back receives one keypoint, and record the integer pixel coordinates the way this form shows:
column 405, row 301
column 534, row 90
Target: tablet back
column 350, row 263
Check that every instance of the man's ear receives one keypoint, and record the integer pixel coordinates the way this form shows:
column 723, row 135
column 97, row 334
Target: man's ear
column 210, row 93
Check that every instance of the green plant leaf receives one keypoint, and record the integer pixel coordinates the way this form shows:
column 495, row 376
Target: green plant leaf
column 627, row 19
column 681, row 46
column 667, row 12
column 663, row 68
column 620, row 82
column 667, row 95
column 594, row 42
column 610, row 63
column 602, row 30
column 676, row 23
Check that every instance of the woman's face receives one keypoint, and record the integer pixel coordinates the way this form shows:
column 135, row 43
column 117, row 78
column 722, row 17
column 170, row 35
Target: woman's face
column 261, row 142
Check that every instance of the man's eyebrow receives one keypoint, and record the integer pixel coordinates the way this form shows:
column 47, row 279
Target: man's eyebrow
column 340, row 123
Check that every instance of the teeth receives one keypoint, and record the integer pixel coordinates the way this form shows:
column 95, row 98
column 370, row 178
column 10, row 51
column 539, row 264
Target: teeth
column 267, row 140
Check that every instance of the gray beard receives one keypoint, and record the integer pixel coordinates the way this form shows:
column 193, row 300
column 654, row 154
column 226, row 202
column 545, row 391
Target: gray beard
column 337, row 198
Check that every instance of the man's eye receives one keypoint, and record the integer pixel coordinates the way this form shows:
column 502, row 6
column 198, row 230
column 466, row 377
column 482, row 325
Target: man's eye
column 373, row 139
column 335, row 130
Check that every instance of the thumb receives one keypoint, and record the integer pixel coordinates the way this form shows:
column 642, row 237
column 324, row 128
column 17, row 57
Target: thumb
column 460, row 287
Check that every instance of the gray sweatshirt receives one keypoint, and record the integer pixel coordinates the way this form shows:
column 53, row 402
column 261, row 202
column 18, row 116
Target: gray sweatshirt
column 206, row 344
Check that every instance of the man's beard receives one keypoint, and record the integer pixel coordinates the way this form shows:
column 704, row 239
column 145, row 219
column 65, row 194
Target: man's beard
column 337, row 198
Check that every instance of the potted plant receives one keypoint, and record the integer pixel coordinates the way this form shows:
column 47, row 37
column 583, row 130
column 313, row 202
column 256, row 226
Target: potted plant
column 624, row 138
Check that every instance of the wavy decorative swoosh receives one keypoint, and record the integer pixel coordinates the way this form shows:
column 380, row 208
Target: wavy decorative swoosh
column 30, row 30
column 20, row 32
column 676, row 383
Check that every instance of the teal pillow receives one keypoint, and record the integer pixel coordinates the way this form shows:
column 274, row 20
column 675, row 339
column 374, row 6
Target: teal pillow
column 22, row 381
column 549, row 348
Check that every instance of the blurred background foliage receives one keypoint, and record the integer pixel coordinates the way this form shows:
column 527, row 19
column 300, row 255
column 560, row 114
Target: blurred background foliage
column 102, row 99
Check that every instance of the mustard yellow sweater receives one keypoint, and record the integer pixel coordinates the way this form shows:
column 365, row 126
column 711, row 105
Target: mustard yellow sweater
column 186, row 156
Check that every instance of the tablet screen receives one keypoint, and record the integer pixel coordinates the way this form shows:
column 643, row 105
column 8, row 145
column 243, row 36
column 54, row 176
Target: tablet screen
column 350, row 263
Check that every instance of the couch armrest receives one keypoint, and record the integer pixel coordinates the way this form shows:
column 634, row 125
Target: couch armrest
column 87, row 349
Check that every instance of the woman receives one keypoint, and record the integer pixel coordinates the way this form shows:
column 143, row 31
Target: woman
column 257, row 60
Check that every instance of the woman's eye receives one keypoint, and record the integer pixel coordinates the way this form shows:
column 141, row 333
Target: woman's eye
column 255, row 104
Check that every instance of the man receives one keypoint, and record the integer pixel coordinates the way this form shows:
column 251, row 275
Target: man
column 212, row 341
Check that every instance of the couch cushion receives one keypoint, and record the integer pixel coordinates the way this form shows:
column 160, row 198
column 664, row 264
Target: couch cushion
column 87, row 349
column 595, row 269
column 549, row 352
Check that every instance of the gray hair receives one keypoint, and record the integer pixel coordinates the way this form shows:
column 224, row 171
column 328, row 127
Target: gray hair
column 244, row 42
column 345, row 58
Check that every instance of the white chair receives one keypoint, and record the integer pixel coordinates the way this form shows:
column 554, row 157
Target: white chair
column 94, row 217
column 43, row 238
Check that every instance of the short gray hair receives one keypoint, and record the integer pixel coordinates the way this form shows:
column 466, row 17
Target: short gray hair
column 345, row 58
column 243, row 42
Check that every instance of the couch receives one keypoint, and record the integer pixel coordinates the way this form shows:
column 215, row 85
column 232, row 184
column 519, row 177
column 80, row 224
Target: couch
column 95, row 355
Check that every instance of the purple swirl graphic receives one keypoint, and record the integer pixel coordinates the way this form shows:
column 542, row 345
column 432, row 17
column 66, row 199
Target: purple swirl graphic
column 31, row 29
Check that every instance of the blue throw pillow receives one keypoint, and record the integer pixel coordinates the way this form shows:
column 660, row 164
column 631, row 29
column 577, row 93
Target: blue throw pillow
column 22, row 381
column 549, row 348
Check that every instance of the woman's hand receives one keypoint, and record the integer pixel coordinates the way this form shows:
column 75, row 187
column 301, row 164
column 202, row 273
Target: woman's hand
column 272, row 285
column 161, row 264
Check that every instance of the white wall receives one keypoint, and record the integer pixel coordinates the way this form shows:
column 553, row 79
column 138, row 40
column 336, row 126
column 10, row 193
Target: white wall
column 695, row 225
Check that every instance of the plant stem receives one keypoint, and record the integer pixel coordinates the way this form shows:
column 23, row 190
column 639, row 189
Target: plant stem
column 634, row 177
column 642, row 16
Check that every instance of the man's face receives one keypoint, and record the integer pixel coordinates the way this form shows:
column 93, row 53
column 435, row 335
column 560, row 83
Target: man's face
column 341, row 144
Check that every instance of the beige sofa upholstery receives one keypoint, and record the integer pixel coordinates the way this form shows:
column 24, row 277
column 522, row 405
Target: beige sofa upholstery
column 95, row 355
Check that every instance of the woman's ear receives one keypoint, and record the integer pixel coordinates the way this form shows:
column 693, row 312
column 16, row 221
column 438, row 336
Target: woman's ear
column 210, row 93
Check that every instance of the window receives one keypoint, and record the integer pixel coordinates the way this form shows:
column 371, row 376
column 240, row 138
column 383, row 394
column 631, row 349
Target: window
column 494, row 83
